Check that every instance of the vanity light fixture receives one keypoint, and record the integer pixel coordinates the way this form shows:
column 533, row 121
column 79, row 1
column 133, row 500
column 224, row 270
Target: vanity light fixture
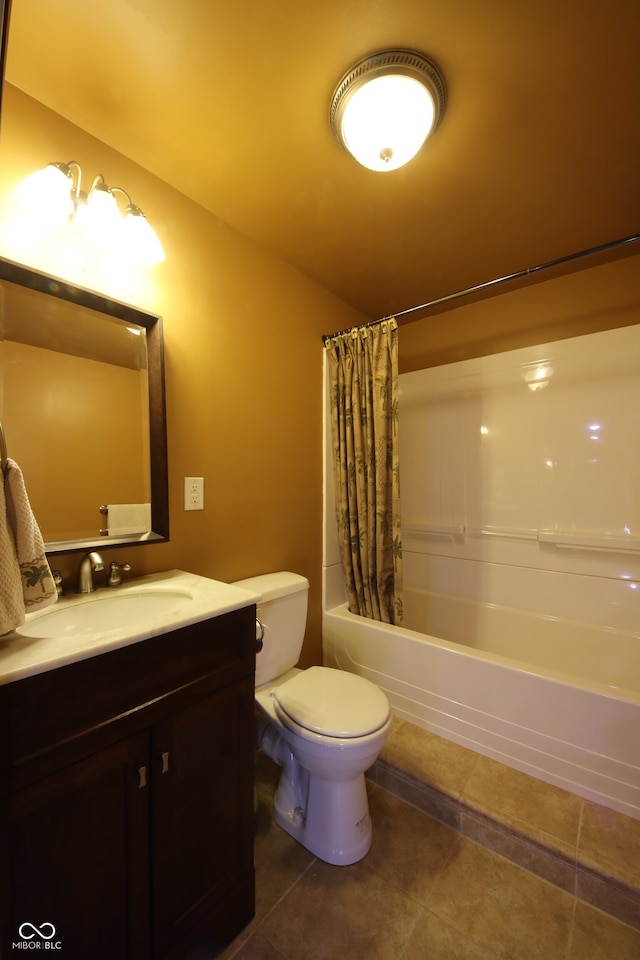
column 386, row 106
column 54, row 194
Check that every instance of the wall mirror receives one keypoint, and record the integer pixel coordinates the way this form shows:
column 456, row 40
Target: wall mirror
column 82, row 403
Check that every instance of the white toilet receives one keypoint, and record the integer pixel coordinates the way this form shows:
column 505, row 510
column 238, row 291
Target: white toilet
column 325, row 727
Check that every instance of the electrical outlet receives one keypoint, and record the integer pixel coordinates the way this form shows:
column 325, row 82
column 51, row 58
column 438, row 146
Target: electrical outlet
column 194, row 493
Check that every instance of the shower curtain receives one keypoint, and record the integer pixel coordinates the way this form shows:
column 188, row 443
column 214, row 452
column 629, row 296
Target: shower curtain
column 363, row 368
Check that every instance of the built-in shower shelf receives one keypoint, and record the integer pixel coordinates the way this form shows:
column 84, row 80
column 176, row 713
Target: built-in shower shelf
column 589, row 541
column 452, row 531
column 574, row 539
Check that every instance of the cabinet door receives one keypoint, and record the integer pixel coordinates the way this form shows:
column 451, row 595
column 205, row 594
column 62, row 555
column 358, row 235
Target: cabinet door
column 202, row 819
column 78, row 848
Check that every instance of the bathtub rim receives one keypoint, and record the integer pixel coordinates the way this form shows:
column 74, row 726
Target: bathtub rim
column 626, row 695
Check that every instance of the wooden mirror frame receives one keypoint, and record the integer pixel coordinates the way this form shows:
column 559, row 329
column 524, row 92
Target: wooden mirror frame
column 159, row 485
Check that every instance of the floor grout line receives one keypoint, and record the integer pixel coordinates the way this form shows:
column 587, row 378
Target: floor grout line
column 571, row 928
column 427, row 918
column 466, row 783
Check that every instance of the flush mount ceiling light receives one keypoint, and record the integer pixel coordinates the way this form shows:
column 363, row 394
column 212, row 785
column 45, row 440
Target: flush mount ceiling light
column 385, row 107
column 53, row 194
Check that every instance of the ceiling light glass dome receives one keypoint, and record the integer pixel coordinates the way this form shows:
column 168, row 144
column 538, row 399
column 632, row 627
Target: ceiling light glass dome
column 386, row 106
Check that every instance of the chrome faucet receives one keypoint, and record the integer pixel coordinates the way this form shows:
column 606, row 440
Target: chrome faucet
column 89, row 563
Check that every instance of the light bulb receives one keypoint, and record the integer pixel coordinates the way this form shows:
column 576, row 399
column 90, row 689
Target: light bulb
column 46, row 194
column 140, row 238
column 100, row 219
column 386, row 121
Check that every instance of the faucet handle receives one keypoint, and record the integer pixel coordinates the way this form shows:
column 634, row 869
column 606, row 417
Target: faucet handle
column 57, row 579
column 114, row 578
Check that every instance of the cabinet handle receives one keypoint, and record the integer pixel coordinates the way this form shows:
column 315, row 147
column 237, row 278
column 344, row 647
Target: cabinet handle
column 142, row 777
column 164, row 757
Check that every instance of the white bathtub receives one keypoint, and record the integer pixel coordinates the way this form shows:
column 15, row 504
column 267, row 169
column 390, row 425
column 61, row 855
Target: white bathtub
column 527, row 690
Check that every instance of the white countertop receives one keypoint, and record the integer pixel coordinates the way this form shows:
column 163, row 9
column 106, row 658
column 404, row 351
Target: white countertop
column 23, row 656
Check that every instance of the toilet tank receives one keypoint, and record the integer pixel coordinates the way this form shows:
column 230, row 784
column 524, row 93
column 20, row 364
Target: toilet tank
column 283, row 611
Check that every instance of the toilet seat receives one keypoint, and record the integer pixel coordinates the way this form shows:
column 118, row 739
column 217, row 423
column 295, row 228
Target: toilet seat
column 331, row 703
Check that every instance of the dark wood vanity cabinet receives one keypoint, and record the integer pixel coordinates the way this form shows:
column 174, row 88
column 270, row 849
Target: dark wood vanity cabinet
column 78, row 856
column 127, row 811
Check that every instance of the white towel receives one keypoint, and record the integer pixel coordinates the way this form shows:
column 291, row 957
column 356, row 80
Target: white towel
column 11, row 599
column 128, row 518
column 26, row 582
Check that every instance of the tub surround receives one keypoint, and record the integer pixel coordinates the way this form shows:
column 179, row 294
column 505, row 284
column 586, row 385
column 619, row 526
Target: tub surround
column 588, row 850
column 521, row 515
column 552, row 645
column 523, row 459
column 519, row 505
column 577, row 735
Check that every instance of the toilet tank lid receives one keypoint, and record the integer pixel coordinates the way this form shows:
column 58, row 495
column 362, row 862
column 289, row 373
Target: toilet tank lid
column 273, row 585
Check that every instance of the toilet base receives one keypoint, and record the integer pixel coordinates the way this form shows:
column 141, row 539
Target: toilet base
column 334, row 825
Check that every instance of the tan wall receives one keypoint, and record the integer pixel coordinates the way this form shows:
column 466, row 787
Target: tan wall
column 243, row 356
column 593, row 298
column 60, row 410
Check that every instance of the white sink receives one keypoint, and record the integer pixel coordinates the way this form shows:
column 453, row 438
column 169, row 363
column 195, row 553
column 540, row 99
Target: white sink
column 87, row 625
column 113, row 611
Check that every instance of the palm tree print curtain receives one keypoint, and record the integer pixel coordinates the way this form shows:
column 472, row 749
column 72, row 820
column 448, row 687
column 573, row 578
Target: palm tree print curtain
column 363, row 365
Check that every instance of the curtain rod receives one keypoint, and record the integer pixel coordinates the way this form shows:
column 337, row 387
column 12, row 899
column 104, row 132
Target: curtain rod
column 489, row 284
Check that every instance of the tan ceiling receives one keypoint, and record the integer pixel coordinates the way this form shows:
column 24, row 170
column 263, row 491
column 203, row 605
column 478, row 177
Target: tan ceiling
column 536, row 157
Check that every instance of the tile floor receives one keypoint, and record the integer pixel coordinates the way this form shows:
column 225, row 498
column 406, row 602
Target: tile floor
column 580, row 846
column 424, row 892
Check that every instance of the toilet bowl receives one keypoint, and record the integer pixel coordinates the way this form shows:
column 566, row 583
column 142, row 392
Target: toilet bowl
column 323, row 726
column 321, row 798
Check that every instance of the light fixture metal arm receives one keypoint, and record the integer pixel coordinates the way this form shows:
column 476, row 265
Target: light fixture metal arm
column 97, row 181
column 124, row 194
column 73, row 171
